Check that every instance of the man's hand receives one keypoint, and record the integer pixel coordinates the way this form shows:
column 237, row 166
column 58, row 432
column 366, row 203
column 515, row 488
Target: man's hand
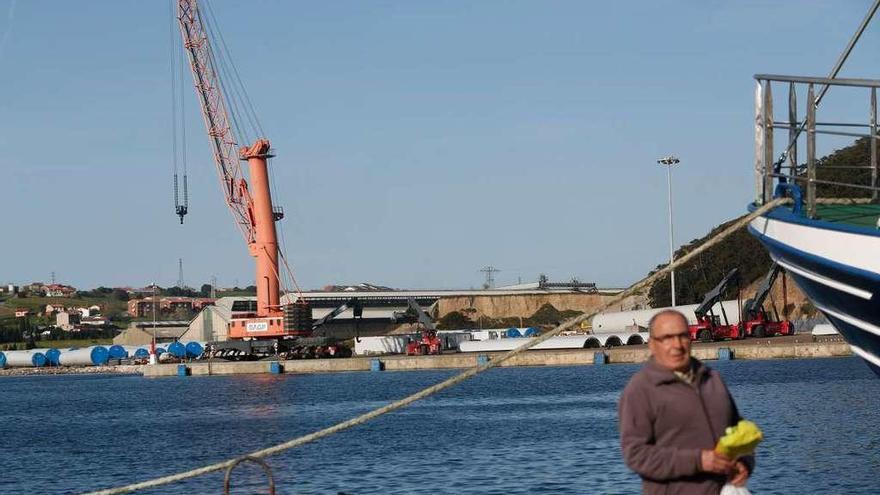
column 713, row 462
column 740, row 474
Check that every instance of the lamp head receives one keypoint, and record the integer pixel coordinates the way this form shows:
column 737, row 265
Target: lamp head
column 668, row 160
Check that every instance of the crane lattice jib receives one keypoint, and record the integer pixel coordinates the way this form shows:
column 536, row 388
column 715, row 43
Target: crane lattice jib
column 214, row 111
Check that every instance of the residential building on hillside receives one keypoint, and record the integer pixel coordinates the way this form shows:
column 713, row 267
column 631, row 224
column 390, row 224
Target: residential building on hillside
column 58, row 290
column 67, row 321
column 164, row 305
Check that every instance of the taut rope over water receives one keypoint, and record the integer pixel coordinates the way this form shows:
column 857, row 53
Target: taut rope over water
column 363, row 418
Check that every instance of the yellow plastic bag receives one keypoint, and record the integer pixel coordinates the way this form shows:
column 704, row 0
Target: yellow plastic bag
column 739, row 440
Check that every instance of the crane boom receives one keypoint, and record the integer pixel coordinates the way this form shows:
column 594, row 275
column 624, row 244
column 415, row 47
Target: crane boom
column 249, row 202
column 214, row 111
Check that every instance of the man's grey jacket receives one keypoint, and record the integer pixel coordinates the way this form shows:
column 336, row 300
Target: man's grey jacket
column 665, row 423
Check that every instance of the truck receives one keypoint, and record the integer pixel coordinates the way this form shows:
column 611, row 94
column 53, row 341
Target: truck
column 428, row 341
column 755, row 320
column 709, row 326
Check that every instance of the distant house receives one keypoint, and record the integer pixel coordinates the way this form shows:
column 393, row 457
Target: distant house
column 58, row 290
column 35, row 288
column 22, row 312
column 172, row 304
column 200, row 303
column 142, row 307
column 67, row 321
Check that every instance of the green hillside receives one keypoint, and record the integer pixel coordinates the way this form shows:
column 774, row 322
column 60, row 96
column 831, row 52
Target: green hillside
column 743, row 251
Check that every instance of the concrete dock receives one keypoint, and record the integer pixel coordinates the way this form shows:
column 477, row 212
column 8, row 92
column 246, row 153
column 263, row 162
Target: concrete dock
column 773, row 348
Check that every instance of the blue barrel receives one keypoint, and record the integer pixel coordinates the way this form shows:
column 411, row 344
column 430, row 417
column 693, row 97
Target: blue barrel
column 39, row 359
column 52, row 355
column 141, row 352
column 2, row 360
column 100, row 355
column 513, row 333
column 194, row 349
column 177, row 350
column 117, row 352
column 530, row 332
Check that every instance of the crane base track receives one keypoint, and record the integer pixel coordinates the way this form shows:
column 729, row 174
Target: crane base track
column 298, row 348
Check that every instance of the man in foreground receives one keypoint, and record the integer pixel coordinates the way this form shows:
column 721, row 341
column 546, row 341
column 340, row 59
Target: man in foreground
column 672, row 413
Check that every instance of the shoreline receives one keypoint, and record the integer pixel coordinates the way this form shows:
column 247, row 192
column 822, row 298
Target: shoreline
column 751, row 349
column 117, row 369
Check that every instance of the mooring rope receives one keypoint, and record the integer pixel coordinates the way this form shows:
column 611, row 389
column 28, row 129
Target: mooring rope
column 470, row 372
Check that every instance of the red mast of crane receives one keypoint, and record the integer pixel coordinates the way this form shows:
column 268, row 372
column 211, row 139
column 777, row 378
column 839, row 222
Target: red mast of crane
column 249, row 202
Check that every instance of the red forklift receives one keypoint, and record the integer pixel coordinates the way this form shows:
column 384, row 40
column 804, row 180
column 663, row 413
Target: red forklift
column 709, row 326
column 428, row 342
column 756, row 321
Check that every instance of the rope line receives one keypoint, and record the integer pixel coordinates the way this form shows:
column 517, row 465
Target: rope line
column 433, row 389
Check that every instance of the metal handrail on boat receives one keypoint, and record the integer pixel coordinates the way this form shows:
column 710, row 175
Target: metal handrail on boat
column 804, row 129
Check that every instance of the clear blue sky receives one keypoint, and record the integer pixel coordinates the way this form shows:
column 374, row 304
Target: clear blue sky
column 416, row 141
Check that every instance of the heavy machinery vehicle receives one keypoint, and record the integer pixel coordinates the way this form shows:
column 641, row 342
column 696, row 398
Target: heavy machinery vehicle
column 755, row 320
column 709, row 326
column 261, row 327
column 428, row 341
column 316, row 345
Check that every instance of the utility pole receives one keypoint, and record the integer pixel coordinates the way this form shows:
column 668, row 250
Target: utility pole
column 669, row 161
column 153, row 357
column 213, row 287
column 180, row 282
column 53, row 278
column 490, row 272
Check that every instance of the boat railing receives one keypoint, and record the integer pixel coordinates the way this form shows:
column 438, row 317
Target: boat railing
column 773, row 175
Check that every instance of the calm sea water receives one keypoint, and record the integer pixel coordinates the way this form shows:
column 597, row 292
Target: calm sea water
column 509, row 431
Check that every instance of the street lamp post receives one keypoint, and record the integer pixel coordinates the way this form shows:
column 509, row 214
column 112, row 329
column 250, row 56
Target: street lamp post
column 669, row 161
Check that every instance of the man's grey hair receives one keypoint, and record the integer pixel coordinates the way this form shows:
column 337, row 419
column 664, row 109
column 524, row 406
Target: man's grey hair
column 664, row 313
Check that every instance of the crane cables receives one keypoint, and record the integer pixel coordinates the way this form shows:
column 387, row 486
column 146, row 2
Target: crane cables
column 178, row 118
column 238, row 101
column 245, row 130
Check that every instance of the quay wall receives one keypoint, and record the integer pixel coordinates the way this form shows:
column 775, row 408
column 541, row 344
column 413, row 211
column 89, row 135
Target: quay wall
column 565, row 357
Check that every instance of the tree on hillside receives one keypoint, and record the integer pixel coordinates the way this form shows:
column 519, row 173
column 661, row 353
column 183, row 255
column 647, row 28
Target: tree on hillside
column 858, row 154
column 741, row 250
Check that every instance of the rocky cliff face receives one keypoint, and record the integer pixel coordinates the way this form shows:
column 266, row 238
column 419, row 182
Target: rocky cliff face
column 526, row 305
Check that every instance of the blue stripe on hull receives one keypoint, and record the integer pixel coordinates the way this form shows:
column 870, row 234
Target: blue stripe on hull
column 849, row 275
column 867, row 311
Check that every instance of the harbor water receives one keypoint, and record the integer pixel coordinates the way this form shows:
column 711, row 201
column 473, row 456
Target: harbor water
column 509, row 431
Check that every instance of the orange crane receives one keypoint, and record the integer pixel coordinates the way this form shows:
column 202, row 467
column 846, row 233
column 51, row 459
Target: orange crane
column 266, row 327
column 248, row 197
column 250, row 201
